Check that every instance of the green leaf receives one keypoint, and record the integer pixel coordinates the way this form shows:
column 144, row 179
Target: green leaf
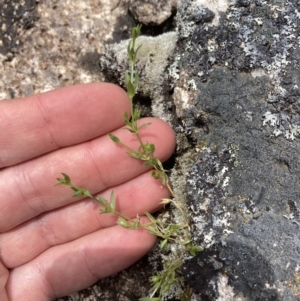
column 136, row 114
column 114, row 138
column 164, row 178
column 135, row 225
column 87, row 193
column 130, row 129
column 81, row 192
column 130, row 89
column 101, row 200
column 144, row 125
column 136, row 31
column 137, row 155
column 137, row 49
column 155, row 174
column 150, row 148
column 155, row 278
column 136, row 81
column 151, row 162
column 150, row 299
column 151, row 217
column 126, row 119
column 77, row 193
column 160, row 165
column 105, row 210
column 122, row 222
column 130, row 52
column 127, row 77
column 112, row 201
column 65, row 181
column 163, row 243
column 194, row 250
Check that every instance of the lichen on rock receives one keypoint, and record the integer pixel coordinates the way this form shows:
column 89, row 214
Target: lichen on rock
column 245, row 69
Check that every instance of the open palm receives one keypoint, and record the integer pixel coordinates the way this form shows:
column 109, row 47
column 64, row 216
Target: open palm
column 50, row 243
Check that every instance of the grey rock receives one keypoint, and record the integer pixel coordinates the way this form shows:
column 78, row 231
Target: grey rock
column 50, row 44
column 152, row 12
column 243, row 189
column 16, row 17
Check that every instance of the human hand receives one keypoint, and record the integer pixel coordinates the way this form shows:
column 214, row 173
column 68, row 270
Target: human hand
column 52, row 244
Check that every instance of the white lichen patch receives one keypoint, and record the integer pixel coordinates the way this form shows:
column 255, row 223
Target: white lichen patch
column 209, row 238
column 152, row 58
column 258, row 72
column 182, row 101
column 174, row 70
column 207, row 185
column 192, row 85
column 288, row 41
column 226, row 292
column 270, row 118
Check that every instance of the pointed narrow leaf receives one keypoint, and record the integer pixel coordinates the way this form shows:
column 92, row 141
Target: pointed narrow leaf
column 136, row 81
column 138, row 48
column 128, row 47
column 65, row 180
column 160, row 165
column 130, row 52
column 163, row 243
column 122, row 222
column 135, row 225
column 126, row 119
column 136, row 114
column 194, row 250
column 87, row 193
column 136, row 31
column 127, row 77
column 144, row 125
column 101, row 200
column 151, row 217
column 149, row 163
column 165, row 201
column 130, row 89
column 77, row 193
column 137, row 155
column 114, row 138
column 112, row 201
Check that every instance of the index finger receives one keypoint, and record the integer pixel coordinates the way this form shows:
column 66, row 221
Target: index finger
column 42, row 123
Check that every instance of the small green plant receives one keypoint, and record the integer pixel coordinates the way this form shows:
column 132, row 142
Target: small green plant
column 169, row 233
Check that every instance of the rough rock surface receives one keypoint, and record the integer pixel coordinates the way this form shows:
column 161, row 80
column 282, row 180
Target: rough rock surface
column 150, row 12
column 16, row 17
column 50, row 44
column 243, row 189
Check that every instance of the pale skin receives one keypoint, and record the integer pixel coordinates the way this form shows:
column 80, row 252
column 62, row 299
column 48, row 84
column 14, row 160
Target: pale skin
column 50, row 243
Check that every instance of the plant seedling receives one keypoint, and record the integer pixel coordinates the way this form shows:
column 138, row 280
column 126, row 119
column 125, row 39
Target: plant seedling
column 169, row 233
